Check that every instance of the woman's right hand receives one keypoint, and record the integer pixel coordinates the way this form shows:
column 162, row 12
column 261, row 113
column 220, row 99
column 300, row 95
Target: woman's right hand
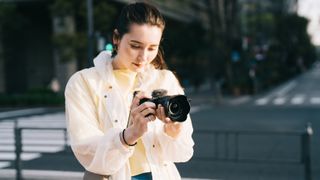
column 140, row 116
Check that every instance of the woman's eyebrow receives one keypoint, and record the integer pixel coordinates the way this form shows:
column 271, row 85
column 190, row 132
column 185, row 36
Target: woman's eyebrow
column 135, row 41
column 138, row 42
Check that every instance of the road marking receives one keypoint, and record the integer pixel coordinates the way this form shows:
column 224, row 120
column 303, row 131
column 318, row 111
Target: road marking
column 240, row 100
column 262, row 101
column 284, row 90
column 4, row 164
column 278, row 93
column 315, row 100
column 279, row 101
column 34, row 142
column 10, row 156
column 21, row 112
column 195, row 109
column 298, row 99
column 7, row 148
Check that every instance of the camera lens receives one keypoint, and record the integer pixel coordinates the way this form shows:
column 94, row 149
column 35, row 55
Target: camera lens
column 178, row 108
column 175, row 108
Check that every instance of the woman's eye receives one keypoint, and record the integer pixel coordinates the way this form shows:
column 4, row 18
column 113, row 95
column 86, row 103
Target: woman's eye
column 135, row 46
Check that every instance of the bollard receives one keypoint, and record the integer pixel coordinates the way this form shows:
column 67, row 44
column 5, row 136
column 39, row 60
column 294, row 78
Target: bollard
column 306, row 151
column 65, row 133
column 18, row 149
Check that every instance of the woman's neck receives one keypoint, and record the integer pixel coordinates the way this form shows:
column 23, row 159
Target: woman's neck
column 115, row 64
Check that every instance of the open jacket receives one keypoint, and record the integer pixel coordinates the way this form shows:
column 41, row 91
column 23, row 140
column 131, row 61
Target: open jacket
column 96, row 113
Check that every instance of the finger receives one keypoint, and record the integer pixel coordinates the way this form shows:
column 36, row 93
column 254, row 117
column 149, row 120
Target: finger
column 158, row 112
column 148, row 111
column 168, row 120
column 145, row 105
column 151, row 118
column 163, row 114
column 136, row 99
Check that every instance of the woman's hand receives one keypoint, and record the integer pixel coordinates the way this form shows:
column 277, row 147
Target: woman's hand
column 171, row 128
column 140, row 116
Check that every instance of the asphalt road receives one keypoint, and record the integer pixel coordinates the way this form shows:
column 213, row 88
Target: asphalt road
column 262, row 142
column 266, row 123
column 255, row 145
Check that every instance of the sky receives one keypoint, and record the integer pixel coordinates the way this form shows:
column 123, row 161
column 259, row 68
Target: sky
column 311, row 10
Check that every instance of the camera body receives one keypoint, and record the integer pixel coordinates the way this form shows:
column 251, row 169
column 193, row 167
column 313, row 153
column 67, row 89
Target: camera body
column 176, row 107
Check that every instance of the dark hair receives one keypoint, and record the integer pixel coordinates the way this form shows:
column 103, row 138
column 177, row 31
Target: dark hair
column 140, row 13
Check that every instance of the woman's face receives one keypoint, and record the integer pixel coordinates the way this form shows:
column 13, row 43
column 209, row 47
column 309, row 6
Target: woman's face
column 138, row 47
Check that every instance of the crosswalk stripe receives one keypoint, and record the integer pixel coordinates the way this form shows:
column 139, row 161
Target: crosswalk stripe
column 34, row 142
column 262, row 101
column 315, row 100
column 298, row 99
column 4, row 164
column 7, row 148
column 279, row 101
column 10, row 156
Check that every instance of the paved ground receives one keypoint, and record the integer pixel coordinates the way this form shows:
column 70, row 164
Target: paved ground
column 208, row 113
column 45, row 155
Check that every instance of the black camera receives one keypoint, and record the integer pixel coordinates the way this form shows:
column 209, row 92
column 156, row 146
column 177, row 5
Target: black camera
column 176, row 107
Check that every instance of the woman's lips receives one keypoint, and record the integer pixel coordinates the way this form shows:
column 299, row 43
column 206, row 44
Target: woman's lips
column 138, row 65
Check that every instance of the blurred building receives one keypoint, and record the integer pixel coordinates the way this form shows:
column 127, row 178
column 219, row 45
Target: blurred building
column 28, row 58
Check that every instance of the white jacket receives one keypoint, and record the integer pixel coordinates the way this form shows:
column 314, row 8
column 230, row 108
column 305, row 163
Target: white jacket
column 96, row 113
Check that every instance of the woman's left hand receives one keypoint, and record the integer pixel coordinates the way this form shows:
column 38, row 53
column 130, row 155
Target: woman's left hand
column 171, row 128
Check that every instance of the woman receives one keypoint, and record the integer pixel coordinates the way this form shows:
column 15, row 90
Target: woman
column 111, row 133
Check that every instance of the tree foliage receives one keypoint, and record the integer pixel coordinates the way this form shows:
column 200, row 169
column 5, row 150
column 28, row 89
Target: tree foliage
column 75, row 44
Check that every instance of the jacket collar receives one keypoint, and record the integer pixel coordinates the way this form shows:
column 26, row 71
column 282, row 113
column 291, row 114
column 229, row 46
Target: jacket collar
column 104, row 66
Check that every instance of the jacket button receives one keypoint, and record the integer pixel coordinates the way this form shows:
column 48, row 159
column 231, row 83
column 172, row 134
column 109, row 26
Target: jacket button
column 105, row 96
column 110, row 87
column 116, row 120
column 153, row 145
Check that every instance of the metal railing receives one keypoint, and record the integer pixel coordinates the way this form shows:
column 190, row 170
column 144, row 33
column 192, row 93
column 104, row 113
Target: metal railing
column 18, row 131
column 18, row 146
column 224, row 145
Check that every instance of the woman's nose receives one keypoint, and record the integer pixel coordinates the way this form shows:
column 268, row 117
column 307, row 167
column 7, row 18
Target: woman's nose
column 143, row 54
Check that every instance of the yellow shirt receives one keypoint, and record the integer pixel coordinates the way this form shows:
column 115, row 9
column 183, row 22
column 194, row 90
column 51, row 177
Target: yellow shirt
column 126, row 80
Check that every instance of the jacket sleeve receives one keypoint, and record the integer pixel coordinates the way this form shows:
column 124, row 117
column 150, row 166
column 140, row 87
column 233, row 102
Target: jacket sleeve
column 97, row 151
column 178, row 149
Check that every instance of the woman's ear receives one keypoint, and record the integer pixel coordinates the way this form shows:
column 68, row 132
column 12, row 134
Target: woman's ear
column 115, row 42
column 115, row 37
